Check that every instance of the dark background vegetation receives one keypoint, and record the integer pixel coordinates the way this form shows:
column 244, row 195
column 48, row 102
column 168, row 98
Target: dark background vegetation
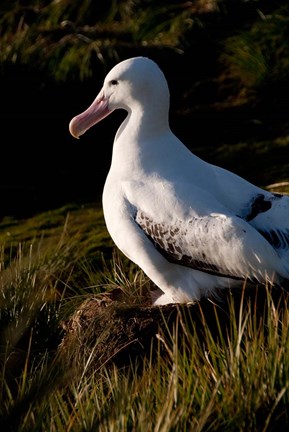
column 226, row 61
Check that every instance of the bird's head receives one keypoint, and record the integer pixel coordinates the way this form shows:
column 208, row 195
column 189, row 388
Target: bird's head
column 134, row 82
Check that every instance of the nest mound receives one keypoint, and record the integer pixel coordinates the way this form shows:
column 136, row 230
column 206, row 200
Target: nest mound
column 106, row 330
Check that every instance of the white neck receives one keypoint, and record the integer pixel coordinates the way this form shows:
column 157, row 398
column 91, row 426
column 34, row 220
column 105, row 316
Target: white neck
column 135, row 141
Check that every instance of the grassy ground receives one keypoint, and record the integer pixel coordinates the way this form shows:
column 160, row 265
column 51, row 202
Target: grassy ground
column 222, row 366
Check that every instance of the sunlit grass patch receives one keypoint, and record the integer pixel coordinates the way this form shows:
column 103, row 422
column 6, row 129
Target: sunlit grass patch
column 201, row 379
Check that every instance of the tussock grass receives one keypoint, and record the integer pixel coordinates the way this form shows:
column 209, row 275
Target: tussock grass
column 238, row 382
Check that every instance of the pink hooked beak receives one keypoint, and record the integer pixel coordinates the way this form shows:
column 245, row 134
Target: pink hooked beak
column 97, row 111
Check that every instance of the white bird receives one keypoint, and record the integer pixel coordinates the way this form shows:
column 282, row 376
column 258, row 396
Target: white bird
column 191, row 226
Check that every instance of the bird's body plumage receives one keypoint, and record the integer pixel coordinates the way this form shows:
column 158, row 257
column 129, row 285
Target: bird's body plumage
column 191, row 226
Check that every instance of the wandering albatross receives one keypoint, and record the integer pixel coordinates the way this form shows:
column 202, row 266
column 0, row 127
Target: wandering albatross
column 191, row 226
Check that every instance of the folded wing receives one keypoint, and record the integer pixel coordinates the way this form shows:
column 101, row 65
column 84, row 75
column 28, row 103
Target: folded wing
column 217, row 244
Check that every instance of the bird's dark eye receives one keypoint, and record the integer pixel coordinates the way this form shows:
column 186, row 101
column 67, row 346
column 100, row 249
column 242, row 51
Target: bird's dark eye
column 114, row 82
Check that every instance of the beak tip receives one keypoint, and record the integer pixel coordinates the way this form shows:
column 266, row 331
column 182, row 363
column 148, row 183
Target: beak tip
column 73, row 129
